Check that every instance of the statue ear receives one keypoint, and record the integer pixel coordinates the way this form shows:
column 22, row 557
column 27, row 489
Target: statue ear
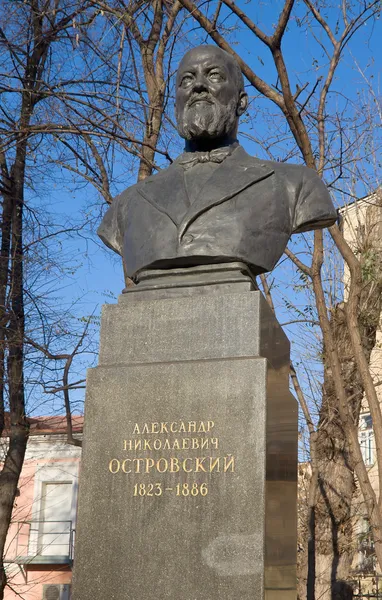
column 242, row 105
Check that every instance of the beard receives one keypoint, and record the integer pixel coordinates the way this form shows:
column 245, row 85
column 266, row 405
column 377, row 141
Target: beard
column 207, row 119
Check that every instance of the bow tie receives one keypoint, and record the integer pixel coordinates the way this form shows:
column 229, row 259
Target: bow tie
column 190, row 159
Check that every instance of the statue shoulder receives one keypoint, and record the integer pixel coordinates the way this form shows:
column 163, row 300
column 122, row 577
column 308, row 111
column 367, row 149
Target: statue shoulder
column 311, row 206
column 290, row 170
column 139, row 187
column 299, row 178
column 293, row 173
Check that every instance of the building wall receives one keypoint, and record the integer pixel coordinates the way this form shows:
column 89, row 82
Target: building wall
column 48, row 487
column 361, row 222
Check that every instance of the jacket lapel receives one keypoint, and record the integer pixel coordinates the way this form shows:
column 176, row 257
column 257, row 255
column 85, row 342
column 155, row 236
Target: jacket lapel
column 237, row 172
column 167, row 192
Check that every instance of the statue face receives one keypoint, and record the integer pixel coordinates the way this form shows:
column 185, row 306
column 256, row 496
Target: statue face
column 208, row 99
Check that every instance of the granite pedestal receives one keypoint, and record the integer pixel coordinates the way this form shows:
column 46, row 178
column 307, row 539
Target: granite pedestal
column 188, row 478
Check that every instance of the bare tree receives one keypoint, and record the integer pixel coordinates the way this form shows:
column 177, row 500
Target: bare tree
column 149, row 31
column 38, row 35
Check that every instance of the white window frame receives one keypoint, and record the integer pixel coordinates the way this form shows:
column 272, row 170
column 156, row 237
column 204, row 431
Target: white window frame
column 366, row 442
column 55, row 472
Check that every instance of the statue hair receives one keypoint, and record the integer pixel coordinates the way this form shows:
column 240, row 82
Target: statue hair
column 239, row 79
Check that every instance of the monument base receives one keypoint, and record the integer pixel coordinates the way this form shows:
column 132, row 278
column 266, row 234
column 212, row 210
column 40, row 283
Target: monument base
column 193, row 281
column 189, row 472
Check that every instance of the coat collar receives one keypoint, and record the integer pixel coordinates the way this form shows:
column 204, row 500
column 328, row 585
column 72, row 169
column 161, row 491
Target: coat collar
column 167, row 190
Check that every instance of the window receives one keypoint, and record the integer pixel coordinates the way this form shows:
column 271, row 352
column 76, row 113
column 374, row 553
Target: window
column 55, row 522
column 366, row 440
column 366, row 551
column 54, row 512
column 365, row 422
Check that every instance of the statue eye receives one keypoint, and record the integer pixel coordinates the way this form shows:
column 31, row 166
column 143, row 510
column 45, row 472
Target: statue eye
column 186, row 81
column 216, row 75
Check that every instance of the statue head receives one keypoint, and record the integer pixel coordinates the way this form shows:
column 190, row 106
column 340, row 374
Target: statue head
column 210, row 96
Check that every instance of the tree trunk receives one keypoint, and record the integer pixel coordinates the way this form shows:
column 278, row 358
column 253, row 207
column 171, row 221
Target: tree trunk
column 18, row 426
column 4, row 266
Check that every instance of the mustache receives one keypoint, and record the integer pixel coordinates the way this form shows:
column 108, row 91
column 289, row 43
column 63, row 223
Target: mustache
column 199, row 97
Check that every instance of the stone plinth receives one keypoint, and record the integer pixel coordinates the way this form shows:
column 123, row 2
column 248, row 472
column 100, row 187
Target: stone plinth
column 188, row 480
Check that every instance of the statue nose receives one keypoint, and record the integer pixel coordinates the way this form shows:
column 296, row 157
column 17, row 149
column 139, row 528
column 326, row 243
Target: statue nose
column 200, row 85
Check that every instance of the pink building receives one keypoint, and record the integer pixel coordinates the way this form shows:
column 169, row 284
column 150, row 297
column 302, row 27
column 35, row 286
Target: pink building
column 39, row 552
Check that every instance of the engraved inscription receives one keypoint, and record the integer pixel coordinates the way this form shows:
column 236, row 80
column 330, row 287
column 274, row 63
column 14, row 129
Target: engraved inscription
column 205, row 464
column 149, row 451
column 181, row 489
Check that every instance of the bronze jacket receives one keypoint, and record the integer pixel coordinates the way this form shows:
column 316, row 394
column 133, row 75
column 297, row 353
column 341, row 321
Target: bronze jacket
column 246, row 212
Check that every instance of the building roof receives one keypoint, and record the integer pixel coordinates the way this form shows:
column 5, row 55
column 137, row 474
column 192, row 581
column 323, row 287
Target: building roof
column 48, row 425
column 359, row 202
column 40, row 425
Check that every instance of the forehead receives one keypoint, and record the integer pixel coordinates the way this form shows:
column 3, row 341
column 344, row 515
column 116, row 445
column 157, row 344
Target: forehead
column 204, row 57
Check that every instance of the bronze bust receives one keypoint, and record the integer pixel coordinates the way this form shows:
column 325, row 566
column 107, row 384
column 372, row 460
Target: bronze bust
column 215, row 203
